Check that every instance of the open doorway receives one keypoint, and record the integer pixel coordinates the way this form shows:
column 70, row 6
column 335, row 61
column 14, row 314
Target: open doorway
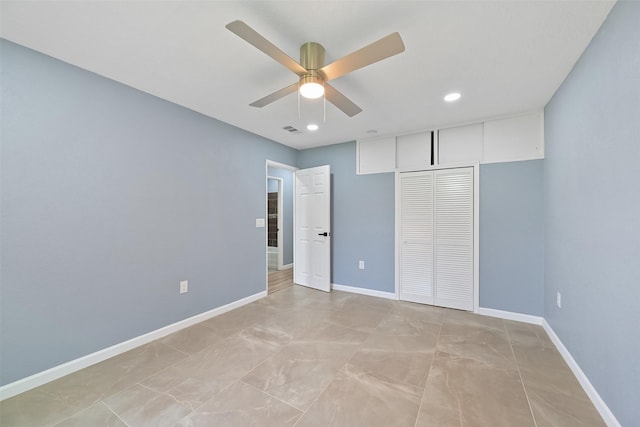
column 279, row 238
column 275, row 228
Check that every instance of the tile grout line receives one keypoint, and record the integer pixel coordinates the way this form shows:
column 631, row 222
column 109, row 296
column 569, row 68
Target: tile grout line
column 323, row 390
column 193, row 411
column 114, row 392
column 302, row 412
column 524, row 388
column 292, row 340
column 333, row 378
column 241, row 379
column 174, row 347
column 341, row 368
column 188, row 356
column 55, row 423
column 114, row 413
column 167, row 394
column 435, row 350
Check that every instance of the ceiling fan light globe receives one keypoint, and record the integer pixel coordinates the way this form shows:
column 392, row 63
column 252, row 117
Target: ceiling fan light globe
column 311, row 90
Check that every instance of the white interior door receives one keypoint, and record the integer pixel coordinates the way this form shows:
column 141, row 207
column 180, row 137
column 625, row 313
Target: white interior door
column 454, row 238
column 436, row 237
column 416, row 237
column 312, row 245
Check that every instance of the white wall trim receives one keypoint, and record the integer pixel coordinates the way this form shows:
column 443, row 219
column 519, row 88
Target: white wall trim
column 278, row 165
column 597, row 401
column 515, row 159
column 36, row 380
column 476, row 237
column 364, row 291
column 396, row 236
column 287, row 266
column 509, row 315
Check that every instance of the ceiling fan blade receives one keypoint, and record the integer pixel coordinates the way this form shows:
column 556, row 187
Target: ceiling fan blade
column 339, row 100
column 275, row 96
column 376, row 51
column 249, row 35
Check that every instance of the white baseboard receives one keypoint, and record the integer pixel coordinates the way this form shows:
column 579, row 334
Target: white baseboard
column 287, row 266
column 36, row 380
column 363, row 291
column 597, row 401
column 509, row 315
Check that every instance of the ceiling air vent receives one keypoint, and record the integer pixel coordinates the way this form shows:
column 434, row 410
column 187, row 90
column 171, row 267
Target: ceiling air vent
column 291, row 129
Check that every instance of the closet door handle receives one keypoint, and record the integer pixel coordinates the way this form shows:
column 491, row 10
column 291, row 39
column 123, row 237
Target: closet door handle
column 325, row 234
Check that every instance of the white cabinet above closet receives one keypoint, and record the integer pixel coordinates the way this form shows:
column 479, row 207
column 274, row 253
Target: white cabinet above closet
column 515, row 138
column 413, row 151
column 502, row 140
column 405, row 153
column 376, row 155
column 463, row 144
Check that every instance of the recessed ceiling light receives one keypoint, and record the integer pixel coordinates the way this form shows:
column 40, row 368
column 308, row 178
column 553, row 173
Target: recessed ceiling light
column 312, row 126
column 372, row 132
column 454, row 96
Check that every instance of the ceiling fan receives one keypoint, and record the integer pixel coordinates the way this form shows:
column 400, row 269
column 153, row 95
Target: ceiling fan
column 313, row 74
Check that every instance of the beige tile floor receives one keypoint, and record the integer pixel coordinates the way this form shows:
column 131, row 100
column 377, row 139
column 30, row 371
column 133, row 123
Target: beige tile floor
column 306, row 358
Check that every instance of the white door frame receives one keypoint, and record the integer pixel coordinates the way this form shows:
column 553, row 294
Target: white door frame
column 280, row 221
column 476, row 228
column 292, row 169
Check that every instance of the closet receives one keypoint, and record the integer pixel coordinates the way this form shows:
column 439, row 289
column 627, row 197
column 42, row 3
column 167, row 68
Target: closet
column 436, row 237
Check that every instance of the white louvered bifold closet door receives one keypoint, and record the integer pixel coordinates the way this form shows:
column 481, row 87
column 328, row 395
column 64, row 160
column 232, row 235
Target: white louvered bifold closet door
column 453, row 223
column 416, row 237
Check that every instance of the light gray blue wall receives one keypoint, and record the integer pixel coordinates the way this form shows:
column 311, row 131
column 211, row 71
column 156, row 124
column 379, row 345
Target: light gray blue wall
column 110, row 197
column 592, row 211
column 362, row 222
column 512, row 237
column 287, row 219
column 272, row 185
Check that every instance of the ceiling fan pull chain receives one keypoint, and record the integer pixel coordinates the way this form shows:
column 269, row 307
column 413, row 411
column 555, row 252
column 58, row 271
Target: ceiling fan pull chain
column 299, row 111
column 324, row 107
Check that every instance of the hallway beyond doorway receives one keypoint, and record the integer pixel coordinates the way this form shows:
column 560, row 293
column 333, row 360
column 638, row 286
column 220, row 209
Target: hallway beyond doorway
column 280, row 279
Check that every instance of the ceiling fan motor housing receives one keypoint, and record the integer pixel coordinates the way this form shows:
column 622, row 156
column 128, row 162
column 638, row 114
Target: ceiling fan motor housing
column 312, row 56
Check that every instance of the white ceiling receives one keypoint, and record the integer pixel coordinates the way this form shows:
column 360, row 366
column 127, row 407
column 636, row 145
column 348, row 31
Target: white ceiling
column 505, row 57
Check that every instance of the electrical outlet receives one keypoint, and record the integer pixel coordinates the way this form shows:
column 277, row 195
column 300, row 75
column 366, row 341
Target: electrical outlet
column 184, row 286
column 559, row 300
column 361, row 265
